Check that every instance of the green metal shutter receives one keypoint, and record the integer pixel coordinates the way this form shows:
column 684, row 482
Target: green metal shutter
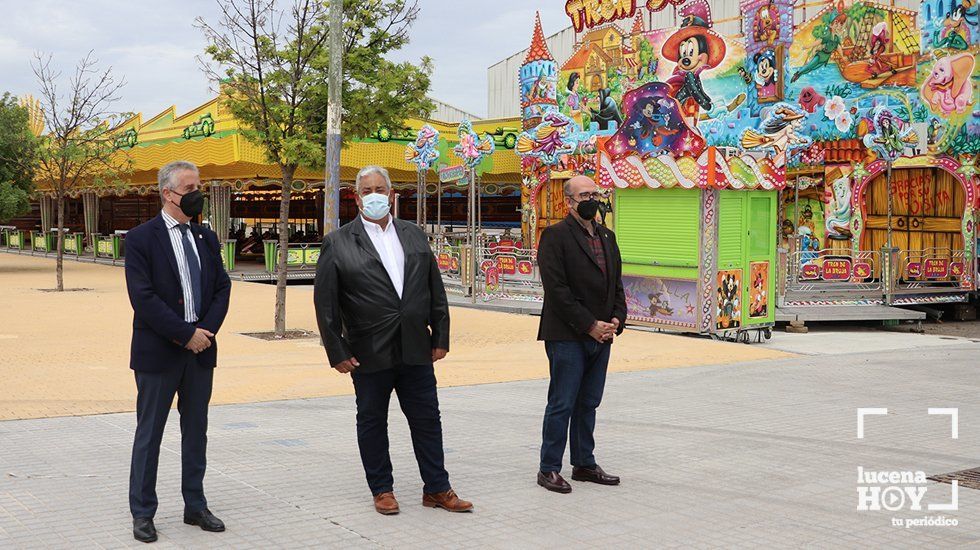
column 730, row 230
column 658, row 226
column 762, row 227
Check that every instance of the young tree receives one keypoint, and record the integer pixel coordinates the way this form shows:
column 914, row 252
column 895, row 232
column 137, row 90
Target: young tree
column 77, row 147
column 272, row 64
column 18, row 151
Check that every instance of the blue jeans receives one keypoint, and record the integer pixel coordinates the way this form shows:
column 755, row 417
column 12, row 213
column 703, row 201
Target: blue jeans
column 578, row 376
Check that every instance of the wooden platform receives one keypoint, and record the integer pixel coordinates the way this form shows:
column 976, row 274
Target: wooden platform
column 847, row 313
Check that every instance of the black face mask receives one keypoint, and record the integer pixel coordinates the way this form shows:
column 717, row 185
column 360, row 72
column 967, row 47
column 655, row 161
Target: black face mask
column 587, row 209
column 191, row 204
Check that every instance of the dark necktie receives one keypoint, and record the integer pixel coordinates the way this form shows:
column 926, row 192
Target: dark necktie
column 194, row 267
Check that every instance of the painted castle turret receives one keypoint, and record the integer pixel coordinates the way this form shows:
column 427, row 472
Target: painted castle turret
column 539, row 79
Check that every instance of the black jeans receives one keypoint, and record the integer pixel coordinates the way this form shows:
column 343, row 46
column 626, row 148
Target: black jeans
column 155, row 393
column 416, row 389
column 578, row 376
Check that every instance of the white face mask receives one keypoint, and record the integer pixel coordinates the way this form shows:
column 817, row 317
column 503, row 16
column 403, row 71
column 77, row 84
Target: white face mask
column 375, row 206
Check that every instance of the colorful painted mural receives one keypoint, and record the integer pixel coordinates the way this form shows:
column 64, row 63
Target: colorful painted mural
column 728, row 300
column 823, row 105
column 759, row 289
column 659, row 301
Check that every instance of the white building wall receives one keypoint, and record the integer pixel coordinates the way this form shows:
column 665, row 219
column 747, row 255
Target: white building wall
column 445, row 112
column 502, row 85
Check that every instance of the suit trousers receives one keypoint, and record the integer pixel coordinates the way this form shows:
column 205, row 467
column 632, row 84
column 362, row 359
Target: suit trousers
column 192, row 384
column 578, row 377
column 415, row 386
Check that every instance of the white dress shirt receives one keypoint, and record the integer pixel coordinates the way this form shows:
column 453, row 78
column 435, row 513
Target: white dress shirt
column 390, row 250
column 177, row 241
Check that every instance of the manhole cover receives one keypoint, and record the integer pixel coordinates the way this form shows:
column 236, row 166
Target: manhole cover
column 966, row 478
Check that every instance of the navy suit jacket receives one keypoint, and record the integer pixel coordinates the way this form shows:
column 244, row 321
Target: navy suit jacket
column 159, row 330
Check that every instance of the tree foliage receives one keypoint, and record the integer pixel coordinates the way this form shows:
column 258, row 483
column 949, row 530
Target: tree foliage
column 77, row 147
column 272, row 61
column 18, row 151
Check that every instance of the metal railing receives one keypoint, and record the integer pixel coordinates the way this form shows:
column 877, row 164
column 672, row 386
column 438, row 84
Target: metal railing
column 834, row 271
column 931, row 269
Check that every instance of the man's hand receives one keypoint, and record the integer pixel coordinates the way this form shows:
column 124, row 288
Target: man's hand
column 615, row 323
column 438, row 353
column 200, row 341
column 347, row 366
column 602, row 331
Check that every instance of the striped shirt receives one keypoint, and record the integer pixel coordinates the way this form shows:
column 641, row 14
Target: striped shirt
column 177, row 241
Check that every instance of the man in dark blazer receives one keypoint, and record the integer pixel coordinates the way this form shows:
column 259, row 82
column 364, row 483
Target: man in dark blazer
column 384, row 318
column 584, row 309
column 179, row 291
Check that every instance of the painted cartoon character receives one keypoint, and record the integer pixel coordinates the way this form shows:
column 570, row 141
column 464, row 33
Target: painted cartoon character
column 573, row 100
column 876, row 47
column 766, row 25
column 695, row 48
column 766, row 75
column 608, row 111
column 758, row 306
column 655, row 125
column 550, row 140
column 777, row 132
column 838, row 222
column 659, row 305
column 810, row 99
column 828, row 37
column 955, row 33
column 933, row 132
column 891, row 135
column 948, row 89
column 728, row 301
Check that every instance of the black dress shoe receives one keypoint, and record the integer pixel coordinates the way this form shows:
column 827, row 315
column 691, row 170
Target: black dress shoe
column 205, row 519
column 553, row 481
column 594, row 475
column 143, row 530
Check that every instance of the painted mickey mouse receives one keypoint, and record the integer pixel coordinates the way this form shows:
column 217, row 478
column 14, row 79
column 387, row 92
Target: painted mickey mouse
column 695, row 48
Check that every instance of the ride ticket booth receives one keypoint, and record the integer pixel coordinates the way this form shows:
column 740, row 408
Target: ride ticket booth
column 699, row 255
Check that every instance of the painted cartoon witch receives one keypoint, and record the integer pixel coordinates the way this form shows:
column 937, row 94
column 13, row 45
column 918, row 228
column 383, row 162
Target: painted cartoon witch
column 828, row 37
column 695, row 48
column 891, row 135
column 777, row 132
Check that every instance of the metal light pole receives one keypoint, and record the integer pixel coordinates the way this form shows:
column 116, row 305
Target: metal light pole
column 472, row 218
column 331, row 189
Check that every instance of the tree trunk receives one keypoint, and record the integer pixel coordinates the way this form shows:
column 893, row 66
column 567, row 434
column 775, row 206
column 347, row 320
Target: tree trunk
column 287, row 185
column 59, row 244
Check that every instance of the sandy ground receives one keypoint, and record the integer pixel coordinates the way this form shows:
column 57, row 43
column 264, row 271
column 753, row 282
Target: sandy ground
column 67, row 353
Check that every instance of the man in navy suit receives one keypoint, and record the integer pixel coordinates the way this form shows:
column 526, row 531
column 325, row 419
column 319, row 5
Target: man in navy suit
column 179, row 291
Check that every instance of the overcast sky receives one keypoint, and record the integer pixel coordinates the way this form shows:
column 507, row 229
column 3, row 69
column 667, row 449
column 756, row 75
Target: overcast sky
column 153, row 44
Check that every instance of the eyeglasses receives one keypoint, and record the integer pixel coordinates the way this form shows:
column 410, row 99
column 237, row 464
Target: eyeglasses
column 585, row 196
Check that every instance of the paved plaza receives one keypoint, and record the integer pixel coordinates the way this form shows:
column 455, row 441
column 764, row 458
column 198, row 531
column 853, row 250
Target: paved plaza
column 739, row 455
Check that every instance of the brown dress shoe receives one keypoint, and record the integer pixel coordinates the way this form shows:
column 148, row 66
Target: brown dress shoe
column 447, row 500
column 594, row 475
column 386, row 504
column 553, row 481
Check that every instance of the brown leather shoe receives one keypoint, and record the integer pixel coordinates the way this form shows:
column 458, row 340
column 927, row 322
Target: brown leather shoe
column 553, row 481
column 594, row 475
column 385, row 503
column 447, row 500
